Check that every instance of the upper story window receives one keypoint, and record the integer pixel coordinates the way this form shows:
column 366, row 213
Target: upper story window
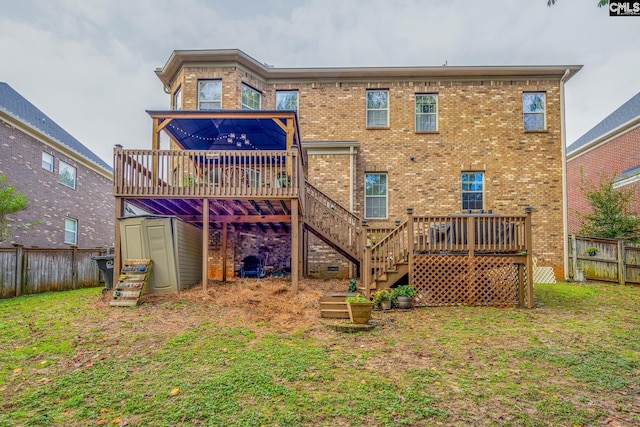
column 177, row 99
column 534, row 108
column 209, row 94
column 377, row 108
column 375, row 195
column 287, row 100
column 67, row 174
column 251, row 98
column 71, row 231
column 472, row 190
column 426, row 112
column 47, row 161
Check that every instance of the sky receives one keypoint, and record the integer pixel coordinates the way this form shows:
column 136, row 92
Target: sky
column 89, row 64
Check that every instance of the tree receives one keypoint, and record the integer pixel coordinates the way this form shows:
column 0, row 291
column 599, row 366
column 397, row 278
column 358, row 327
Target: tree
column 11, row 201
column 611, row 214
column 601, row 3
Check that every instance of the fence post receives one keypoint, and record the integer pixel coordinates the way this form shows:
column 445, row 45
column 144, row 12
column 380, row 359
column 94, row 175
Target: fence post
column 365, row 263
column 621, row 262
column 574, row 257
column 74, row 267
column 410, row 243
column 529, row 243
column 18, row 276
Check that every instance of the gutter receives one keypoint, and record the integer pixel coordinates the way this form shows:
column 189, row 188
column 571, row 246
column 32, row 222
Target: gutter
column 565, row 204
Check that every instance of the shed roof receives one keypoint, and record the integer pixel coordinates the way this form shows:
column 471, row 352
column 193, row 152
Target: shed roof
column 15, row 105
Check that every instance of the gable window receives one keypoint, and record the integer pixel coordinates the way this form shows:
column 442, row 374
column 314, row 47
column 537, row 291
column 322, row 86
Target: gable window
column 377, row 108
column 67, row 174
column 251, row 98
column 375, row 195
column 209, row 94
column 177, row 99
column 47, row 161
column 287, row 100
column 533, row 106
column 426, row 112
column 472, row 190
column 70, row 231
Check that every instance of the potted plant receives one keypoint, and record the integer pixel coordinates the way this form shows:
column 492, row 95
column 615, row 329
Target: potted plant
column 359, row 309
column 403, row 296
column 592, row 251
column 382, row 299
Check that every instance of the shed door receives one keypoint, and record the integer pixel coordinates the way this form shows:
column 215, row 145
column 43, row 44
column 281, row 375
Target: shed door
column 160, row 244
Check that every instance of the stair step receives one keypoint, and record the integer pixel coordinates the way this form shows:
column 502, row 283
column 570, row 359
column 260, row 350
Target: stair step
column 334, row 314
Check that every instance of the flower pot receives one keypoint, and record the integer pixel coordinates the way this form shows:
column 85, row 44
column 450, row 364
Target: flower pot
column 360, row 312
column 386, row 304
column 404, row 302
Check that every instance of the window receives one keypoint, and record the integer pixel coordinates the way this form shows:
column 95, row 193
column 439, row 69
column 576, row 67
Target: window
column 209, row 94
column 70, row 231
column 375, row 195
column 377, row 108
column 47, row 161
column 472, row 190
column 426, row 112
column 67, row 175
column 533, row 106
column 287, row 100
column 251, row 98
column 177, row 99
column 253, row 178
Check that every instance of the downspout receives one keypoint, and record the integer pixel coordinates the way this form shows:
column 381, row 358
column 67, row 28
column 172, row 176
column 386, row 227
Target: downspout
column 351, row 179
column 565, row 217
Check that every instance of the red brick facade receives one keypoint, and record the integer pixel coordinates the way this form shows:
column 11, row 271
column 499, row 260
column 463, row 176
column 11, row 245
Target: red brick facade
column 90, row 203
column 611, row 157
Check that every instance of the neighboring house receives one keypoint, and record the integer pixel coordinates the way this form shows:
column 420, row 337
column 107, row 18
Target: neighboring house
column 68, row 187
column 374, row 141
column 611, row 147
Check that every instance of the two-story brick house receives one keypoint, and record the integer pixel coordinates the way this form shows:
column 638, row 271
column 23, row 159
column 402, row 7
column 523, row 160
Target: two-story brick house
column 611, row 147
column 67, row 185
column 439, row 139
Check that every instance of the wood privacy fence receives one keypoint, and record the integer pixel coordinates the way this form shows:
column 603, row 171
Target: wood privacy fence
column 25, row 271
column 609, row 260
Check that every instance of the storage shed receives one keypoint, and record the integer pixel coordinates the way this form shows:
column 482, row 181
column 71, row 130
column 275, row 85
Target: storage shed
column 174, row 246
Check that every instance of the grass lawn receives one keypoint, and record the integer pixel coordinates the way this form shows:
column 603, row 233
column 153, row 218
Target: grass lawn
column 250, row 353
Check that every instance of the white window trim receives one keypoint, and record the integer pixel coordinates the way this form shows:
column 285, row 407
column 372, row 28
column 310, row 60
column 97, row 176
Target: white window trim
column 244, row 106
column 51, row 164
column 209, row 100
column 544, row 112
column 386, row 196
column 367, row 109
column 287, row 91
column 75, row 231
column 62, row 165
column 435, row 96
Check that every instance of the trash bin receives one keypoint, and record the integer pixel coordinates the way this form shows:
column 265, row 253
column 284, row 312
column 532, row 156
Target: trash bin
column 105, row 264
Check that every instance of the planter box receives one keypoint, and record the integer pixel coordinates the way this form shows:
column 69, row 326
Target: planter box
column 360, row 312
column 333, row 305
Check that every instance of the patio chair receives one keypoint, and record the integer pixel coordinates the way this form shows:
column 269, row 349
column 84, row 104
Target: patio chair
column 252, row 266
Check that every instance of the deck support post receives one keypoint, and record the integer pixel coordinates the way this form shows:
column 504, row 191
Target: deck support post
column 117, row 245
column 471, row 242
column 410, row 243
column 295, row 246
column 205, row 244
column 365, row 263
column 224, row 252
column 529, row 244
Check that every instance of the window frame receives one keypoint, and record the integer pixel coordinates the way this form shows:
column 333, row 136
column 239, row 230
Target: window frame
column 471, row 191
column 423, row 114
column 218, row 82
column 289, row 92
column 373, row 109
column 73, row 221
column 51, row 165
column 248, row 89
column 534, row 113
column 177, row 98
column 377, row 196
column 62, row 167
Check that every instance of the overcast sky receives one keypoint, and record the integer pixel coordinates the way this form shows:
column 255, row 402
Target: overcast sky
column 89, row 64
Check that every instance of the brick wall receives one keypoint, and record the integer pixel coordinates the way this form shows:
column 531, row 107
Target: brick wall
column 90, row 203
column 611, row 158
column 480, row 128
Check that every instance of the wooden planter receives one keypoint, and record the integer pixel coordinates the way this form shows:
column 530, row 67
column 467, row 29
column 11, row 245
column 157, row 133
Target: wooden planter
column 360, row 312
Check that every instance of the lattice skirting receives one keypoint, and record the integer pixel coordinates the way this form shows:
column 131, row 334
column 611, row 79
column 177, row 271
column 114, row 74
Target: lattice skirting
column 445, row 280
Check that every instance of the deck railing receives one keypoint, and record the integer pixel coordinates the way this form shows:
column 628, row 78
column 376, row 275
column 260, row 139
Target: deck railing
column 205, row 173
